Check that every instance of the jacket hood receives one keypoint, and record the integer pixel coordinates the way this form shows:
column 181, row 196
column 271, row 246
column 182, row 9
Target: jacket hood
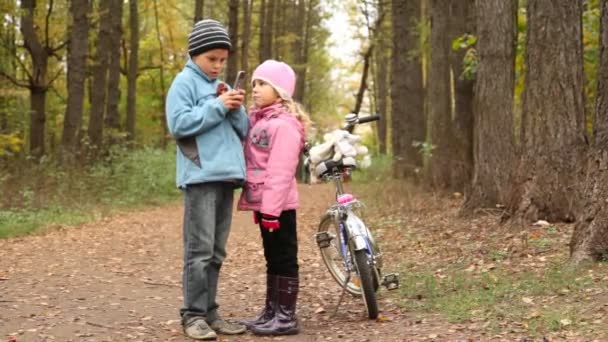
column 277, row 110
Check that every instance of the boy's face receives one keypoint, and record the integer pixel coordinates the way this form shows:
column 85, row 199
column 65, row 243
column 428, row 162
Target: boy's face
column 263, row 94
column 211, row 62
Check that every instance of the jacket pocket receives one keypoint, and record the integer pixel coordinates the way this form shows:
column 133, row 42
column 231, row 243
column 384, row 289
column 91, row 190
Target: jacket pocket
column 253, row 192
column 189, row 149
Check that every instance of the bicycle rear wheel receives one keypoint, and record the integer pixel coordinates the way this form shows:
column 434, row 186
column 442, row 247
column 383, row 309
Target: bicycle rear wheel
column 365, row 270
column 332, row 257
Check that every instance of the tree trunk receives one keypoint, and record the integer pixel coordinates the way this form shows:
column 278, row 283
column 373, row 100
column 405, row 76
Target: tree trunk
column 77, row 72
column 363, row 85
column 100, row 75
column 199, row 5
column 262, row 50
column 553, row 114
column 37, row 120
column 494, row 148
column 233, row 31
column 382, row 79
column 247, row 5
column 133, row 69
column 38, row 84
column 300, row 22
column 112, row 118
column 439, row 108
column 266, row 30
column 462, row 21
column 163, row 92
column 407, row 92
column 590, row 237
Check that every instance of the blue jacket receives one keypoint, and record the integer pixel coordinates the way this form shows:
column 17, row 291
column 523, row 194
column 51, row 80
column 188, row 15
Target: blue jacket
column 208, row 135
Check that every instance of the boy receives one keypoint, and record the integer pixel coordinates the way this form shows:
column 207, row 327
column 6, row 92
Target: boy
column 208, row 126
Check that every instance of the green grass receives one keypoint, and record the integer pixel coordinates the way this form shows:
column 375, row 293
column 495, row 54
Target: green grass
column 549, row 301
column 49, row 195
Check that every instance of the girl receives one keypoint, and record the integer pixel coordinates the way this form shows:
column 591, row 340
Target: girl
column 272, row 153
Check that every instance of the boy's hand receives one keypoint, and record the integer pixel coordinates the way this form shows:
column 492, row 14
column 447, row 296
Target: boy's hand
column 233, row 98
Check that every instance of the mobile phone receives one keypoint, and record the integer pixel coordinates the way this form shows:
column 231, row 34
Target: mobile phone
column 240, row 76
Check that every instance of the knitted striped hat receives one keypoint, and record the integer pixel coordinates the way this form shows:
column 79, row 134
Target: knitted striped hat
column 206, row 35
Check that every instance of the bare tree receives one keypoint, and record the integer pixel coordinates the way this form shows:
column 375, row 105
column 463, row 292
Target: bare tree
column 37, row 79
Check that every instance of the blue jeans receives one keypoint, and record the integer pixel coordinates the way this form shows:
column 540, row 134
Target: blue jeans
column 207, row 218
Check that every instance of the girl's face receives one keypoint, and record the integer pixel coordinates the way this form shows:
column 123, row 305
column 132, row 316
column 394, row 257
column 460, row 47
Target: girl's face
column 263, row 94
column 212, row 62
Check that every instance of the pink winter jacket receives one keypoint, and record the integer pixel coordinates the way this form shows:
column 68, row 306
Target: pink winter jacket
column 272, row 153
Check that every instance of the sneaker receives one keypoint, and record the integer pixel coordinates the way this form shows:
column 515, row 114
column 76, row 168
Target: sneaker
column 196, row 328
column 226, row 328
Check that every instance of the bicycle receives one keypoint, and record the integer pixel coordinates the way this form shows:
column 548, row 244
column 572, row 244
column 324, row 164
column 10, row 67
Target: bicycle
column 346, row 244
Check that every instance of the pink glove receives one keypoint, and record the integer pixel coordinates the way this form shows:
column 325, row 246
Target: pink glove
column 270, row 222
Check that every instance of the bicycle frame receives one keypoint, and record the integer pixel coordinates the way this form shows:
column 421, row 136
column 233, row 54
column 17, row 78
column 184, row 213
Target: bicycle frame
column 352, row 229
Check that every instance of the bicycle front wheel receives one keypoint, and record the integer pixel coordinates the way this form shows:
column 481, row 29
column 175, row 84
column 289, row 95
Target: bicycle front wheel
column 332, row 257
column 365, row 270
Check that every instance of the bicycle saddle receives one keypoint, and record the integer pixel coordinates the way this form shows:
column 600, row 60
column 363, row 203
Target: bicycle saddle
column 330, row 165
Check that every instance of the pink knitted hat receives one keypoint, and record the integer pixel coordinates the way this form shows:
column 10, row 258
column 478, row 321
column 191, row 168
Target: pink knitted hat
column 279, row 75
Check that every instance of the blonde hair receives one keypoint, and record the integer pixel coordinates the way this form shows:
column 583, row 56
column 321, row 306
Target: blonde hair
column 298, row 111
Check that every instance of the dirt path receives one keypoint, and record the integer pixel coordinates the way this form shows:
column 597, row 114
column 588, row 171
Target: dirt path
column 119, row 280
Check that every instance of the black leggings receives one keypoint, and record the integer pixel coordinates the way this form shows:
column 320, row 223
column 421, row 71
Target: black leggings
column 281, row 246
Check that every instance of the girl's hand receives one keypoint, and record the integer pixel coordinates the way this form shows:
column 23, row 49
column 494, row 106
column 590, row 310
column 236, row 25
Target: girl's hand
column 233, row 99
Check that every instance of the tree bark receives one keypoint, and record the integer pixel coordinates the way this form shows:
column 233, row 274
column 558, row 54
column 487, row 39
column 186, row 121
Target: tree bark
column 462, row 21
column 38, row 83
column 407, row 92
column 590, row 237
column 233, row 31
column 439, row 108
column 553, row 114
column 77, row 72
column 112, row 117
column 100, row 76
column 247, row 5
column 199, row 5
column 133, row 69
column 261, row 41
column 163, row 91
column 266, row 29
column 300, row 22
column 364, row 75
column 494, row 151
column 382, row 81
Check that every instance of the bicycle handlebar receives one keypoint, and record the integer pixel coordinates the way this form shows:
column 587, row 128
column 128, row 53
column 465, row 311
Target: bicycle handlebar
column 368, row 118
column 353, row 119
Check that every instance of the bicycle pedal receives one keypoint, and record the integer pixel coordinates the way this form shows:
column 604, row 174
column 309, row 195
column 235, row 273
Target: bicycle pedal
column 323, row 239
column 391, row 281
